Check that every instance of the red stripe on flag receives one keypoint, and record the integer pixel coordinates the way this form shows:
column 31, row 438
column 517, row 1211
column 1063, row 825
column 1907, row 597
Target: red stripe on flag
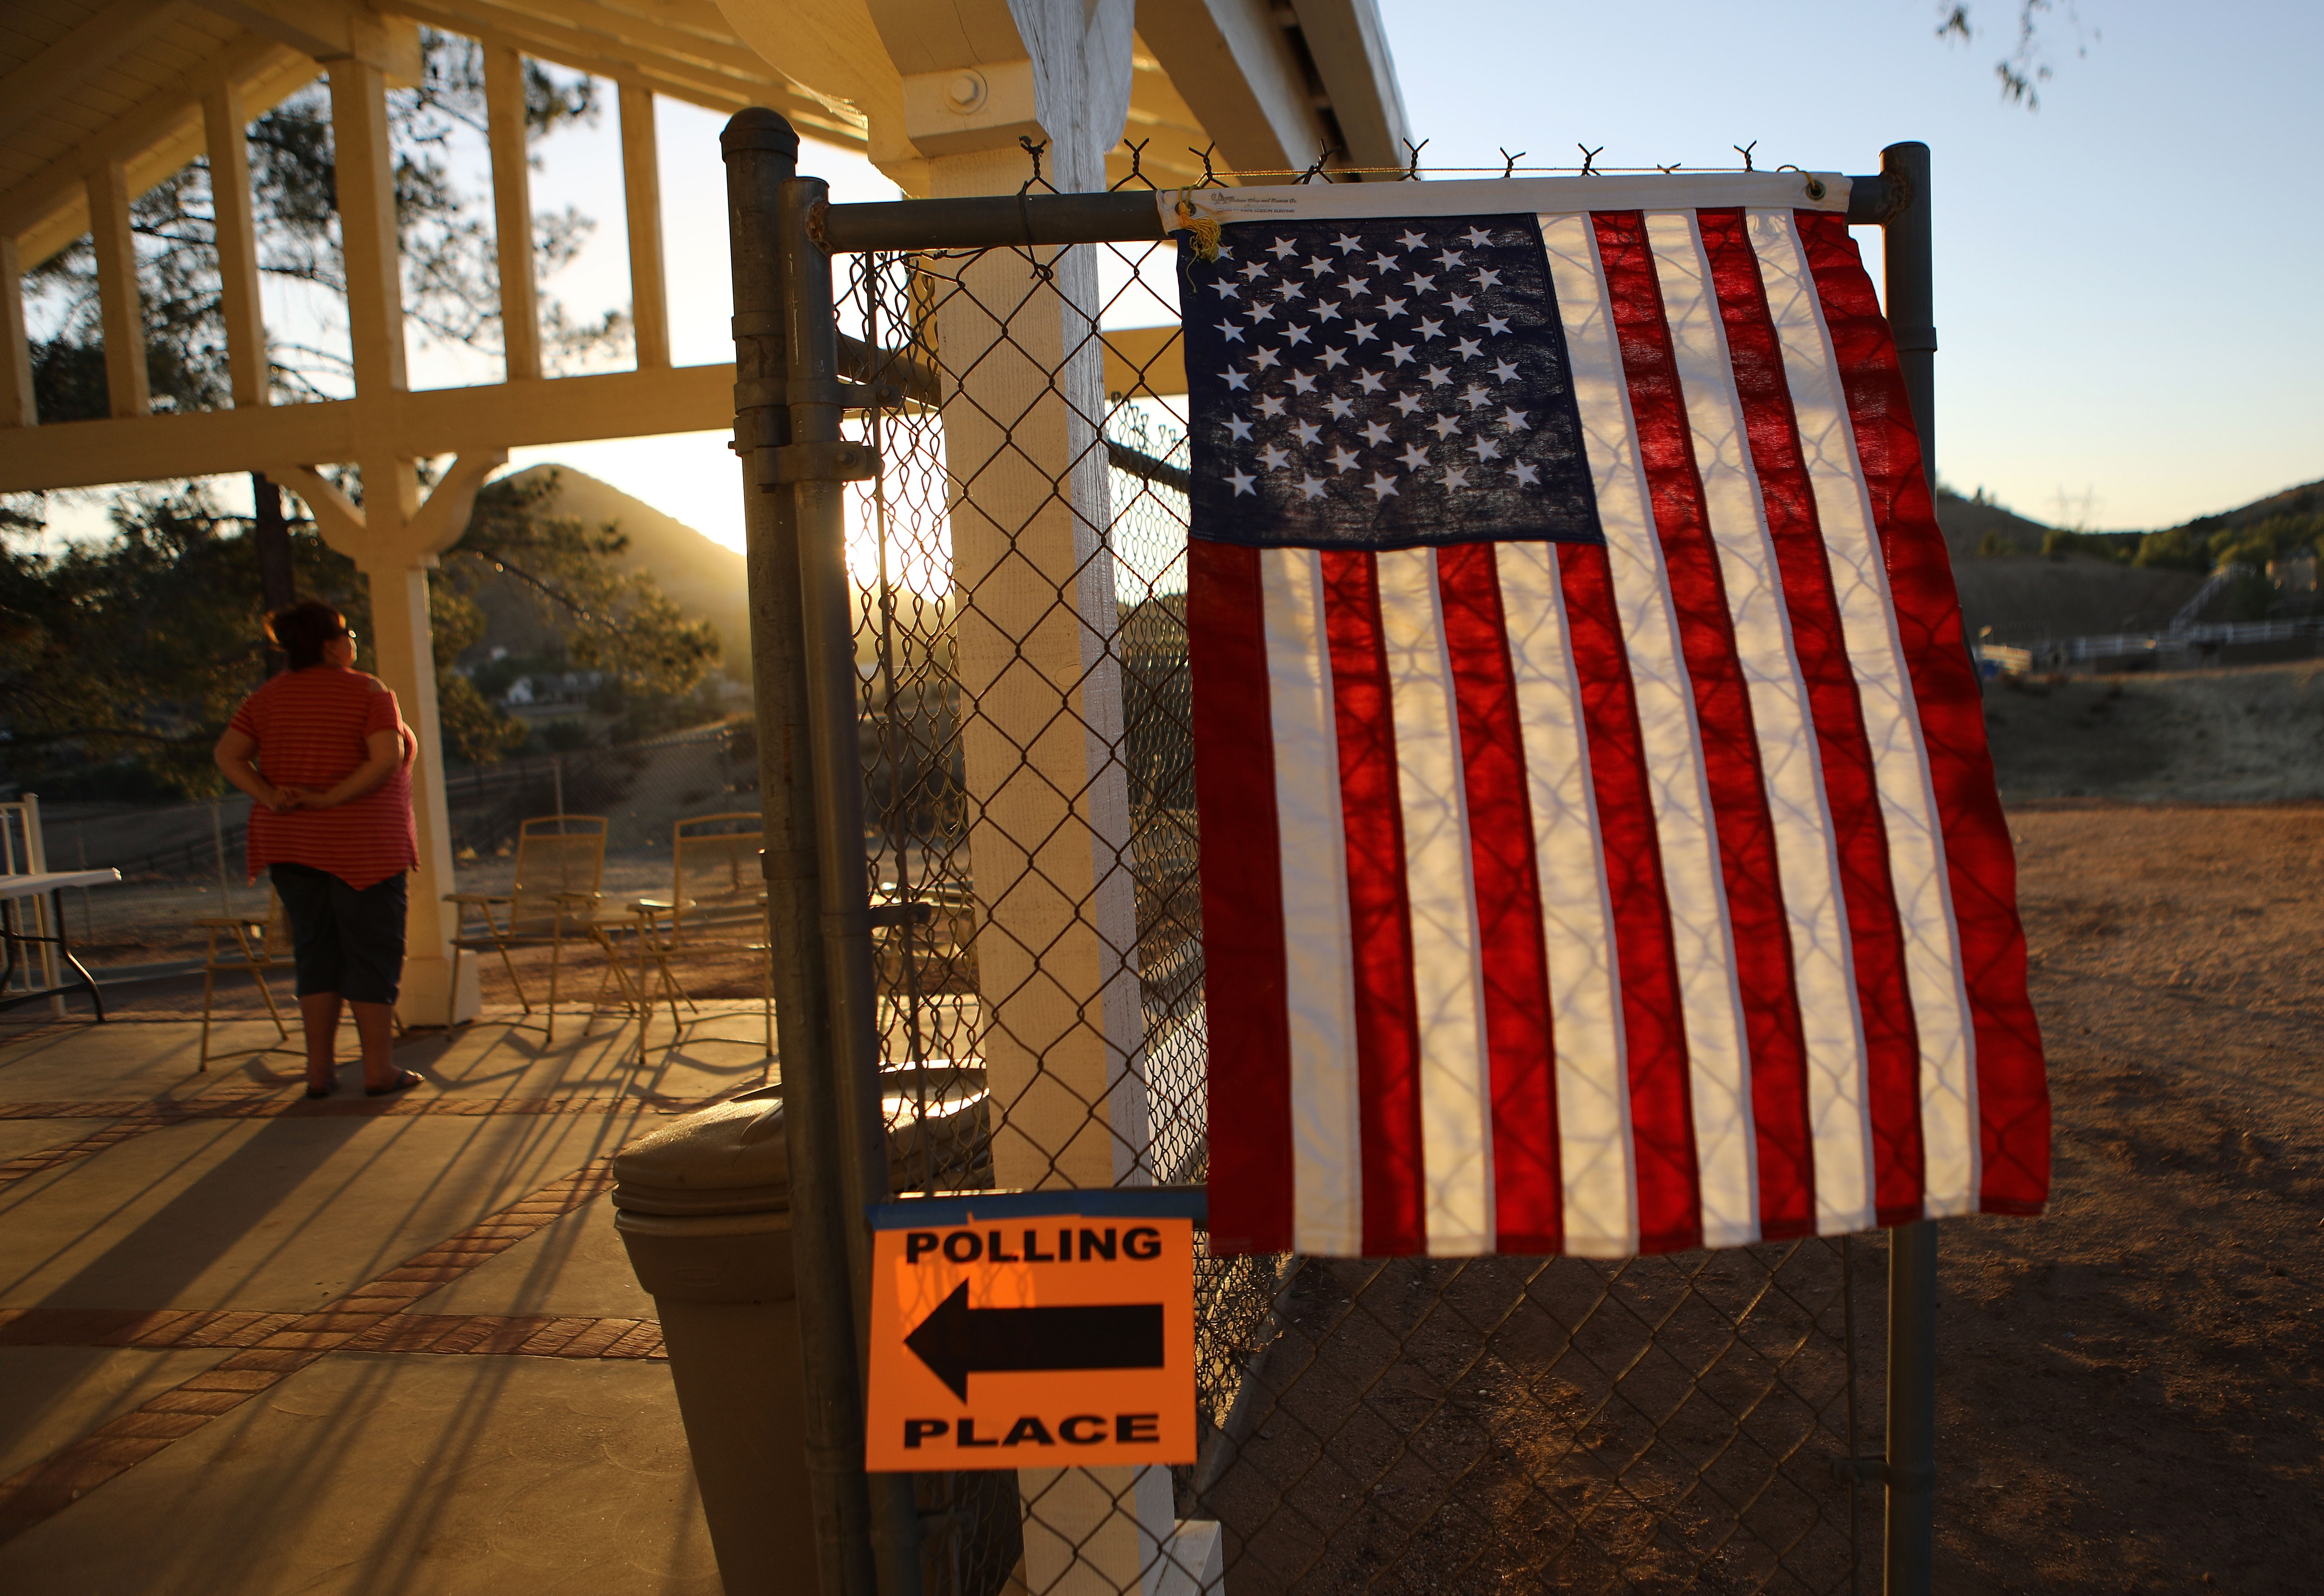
column 1654, row 1034
column 1247, row 992
column 1528, row 1205
column 2013, row 1092
column 1379, row 911
column 1851, row 790
column 1722, row 702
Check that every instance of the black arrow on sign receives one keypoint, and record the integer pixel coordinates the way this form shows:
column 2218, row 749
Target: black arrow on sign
column 957, row 1341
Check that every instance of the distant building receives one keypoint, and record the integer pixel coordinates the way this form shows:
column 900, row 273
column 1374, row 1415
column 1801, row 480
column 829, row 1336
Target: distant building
column 569, row 687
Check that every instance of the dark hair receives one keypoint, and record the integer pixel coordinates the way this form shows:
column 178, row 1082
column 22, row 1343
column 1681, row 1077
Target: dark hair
column 302, row 630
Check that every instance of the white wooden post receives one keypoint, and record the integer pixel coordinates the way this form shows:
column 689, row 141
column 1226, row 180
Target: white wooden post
column 388, row 538
column 16, row 408
column 394, row 540
column 512, row 210
column 641, row 197
column 402, row 656
column 1048, row 794
column 365, row 173
column 127, row 389
column 226, row 128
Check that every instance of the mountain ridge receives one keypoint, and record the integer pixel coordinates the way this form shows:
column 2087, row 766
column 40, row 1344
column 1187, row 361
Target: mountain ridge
column 2015, row 596
column 706, row 580
column 2007, row 588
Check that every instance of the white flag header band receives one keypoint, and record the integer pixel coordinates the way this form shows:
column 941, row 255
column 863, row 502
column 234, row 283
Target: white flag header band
column 1784, row 191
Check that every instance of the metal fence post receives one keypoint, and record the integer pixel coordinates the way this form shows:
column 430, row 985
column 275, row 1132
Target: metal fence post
column 762, row 153
column 1912, row 1247
column 819, row 464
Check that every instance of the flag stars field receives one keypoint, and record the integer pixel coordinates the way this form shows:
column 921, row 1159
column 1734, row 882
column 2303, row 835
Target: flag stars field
column 1384, row 381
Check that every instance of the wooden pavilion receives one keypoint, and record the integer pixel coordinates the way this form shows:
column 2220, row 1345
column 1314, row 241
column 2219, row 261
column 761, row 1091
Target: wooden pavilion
column 100, row 100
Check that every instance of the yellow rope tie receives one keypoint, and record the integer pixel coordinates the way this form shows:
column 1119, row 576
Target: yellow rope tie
column 1204, row 229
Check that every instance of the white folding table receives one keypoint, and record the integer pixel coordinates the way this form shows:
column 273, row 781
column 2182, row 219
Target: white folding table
column 52, row 882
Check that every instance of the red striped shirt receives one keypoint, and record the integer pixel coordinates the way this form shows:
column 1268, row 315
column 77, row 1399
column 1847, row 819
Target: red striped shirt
column 312, row 728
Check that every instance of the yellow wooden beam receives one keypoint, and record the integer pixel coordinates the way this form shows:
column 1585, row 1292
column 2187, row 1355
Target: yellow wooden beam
column 330, row 30
column 436, row 421
column 1145, row 360
column 680, row 77
column 152, row 140
column 626, row 31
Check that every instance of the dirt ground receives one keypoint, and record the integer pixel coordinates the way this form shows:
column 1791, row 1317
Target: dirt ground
column 2251, row 733
column 2025, row 598
column 2131, row 1387
column 1458, row 1429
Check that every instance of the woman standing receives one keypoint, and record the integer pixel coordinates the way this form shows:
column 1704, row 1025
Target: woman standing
column 326, row 759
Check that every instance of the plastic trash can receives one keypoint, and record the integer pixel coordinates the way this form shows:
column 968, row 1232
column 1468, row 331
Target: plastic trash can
column 703, row 1206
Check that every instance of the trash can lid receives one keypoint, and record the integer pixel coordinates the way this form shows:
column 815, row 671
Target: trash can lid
column 730, row 1158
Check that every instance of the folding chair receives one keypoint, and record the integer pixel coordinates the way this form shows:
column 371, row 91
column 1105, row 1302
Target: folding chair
column 925, row 942
column 255, row 943
column 560, row 859
column 718, row 904
column 23, row 851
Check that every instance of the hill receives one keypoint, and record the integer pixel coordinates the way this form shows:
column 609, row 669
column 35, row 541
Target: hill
column 2028, row 598
column 706, row 580
column 2293, row 500
column 2021, row 593
column 2007, row 583
column 2254, row 734
column 1974, row 526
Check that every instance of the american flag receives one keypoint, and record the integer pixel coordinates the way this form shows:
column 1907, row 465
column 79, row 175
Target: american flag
column 1600, row 851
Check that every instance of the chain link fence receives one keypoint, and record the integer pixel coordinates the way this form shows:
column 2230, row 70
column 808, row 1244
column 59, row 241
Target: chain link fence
column 1694, row 1422
column 1674, row 1423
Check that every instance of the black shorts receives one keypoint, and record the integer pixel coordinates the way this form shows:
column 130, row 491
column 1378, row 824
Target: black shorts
column 344, row 941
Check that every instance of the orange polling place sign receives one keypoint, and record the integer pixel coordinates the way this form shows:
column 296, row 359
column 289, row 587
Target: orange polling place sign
column 1035, row 1330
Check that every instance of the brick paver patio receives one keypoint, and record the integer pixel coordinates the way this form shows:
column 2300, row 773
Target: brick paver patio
column 250, row 1342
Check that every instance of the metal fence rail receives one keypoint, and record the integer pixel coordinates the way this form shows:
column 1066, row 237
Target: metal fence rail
column 2192, row 642
column 1015, row 857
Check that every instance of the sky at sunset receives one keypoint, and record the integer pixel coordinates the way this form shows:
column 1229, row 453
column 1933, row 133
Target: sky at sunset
column 2127, row 278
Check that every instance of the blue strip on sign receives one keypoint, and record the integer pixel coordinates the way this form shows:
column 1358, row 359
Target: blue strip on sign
column 1129, row 1201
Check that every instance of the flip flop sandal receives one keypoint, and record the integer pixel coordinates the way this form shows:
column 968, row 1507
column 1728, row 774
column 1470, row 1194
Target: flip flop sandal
column 404, row 1082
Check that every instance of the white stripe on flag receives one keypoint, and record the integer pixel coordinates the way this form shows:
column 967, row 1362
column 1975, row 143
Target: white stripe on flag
column 1326, row 1136
column 1692, row 884
column 1807, row 856
column 1593, row 1089
column 1900, row 763
column 1455, row 1095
